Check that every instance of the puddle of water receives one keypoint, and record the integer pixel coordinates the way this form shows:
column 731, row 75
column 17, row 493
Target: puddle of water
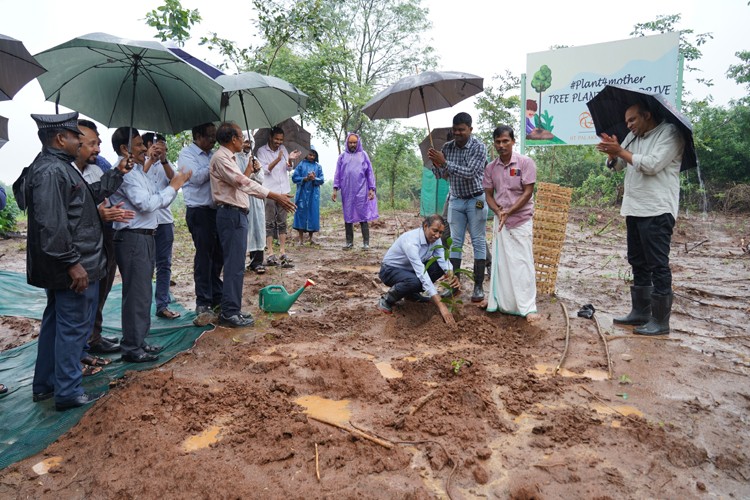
column 410, row 359
column 327, row 410
column 45, row 465
column 544, row 370
column 387, row 371
column 627, row 410
column 202, row 440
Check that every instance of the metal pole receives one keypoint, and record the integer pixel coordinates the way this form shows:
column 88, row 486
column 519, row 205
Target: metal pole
column 522, row 141
column 680, row 68
column 429, row 133
column 136, row 60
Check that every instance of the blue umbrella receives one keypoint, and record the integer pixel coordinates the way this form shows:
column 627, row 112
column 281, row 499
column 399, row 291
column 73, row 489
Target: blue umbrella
column 608, row 112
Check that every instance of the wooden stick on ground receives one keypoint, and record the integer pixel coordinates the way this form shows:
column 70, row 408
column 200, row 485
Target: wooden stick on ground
column 317, row 463
column 606, row 346
column 356, row 432
column 567, row 339
column 422, row 401
column 608, row 406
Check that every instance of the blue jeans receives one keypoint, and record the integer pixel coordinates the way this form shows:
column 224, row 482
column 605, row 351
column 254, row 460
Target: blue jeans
column 462, row 214
column 163, row 240
column 232, row 228
column 66, row 324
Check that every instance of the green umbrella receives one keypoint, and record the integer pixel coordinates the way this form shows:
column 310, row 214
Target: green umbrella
column 258, row 100
column 120, row 82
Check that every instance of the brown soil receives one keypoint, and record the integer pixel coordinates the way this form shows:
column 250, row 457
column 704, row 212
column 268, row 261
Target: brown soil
column 473, row 412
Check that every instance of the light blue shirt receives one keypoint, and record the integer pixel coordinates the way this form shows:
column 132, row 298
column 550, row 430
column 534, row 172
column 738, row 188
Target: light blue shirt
column 196, row 191
column 411, row 250
column 157, row 175
column 139, row 194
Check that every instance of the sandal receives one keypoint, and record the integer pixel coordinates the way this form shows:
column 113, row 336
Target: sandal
column 271, row 261
column 284, row 258
column 90, row 360
column 3, row 388
column 260, row 269
column 89, row 370
column 168, row 314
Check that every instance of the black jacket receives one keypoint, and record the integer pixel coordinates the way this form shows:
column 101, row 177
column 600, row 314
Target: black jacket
column 64, row 225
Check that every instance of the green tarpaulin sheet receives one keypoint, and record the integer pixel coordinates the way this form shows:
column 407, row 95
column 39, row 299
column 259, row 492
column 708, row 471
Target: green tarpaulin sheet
column 434, row 192
column 26, row 427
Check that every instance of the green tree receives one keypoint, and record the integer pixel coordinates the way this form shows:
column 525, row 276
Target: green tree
column 398, row 169
column 740, row 73
column 172, row 22
column 9, row 215
column 498, row 105
column 689, row 40
column 541, row 81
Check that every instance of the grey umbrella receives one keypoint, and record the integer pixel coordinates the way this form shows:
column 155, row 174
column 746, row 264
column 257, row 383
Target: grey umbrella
column 439, row 137
column 608, row 112
column 118, row 82
column 17, row 67
column 259, row 100
column 295, row 137
column 421, row 93
column 3, row 131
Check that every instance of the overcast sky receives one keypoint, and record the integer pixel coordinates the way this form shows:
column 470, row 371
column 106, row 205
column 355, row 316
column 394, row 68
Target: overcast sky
column 482, row 37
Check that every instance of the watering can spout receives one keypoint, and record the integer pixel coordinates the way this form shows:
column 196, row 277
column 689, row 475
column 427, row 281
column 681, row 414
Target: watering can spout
column 275, row 298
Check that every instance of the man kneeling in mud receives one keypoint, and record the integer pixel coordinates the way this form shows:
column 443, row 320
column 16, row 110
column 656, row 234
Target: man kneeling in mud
column 403, row 268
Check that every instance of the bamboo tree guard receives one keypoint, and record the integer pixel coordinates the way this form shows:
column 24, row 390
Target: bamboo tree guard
column 551, row 207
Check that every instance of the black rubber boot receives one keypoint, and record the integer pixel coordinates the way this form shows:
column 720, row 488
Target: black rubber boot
column 661, row 310
column 478, row 294
column 349, row 229
column 365, row 235
column 449, row 292
column 386, row 302
column 640, row 312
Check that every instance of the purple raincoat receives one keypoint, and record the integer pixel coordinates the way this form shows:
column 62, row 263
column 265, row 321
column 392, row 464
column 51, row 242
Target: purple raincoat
column 354, row 178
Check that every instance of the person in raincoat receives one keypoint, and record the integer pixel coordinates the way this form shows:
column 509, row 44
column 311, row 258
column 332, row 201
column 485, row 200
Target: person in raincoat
column 308, row 176
column 356, row 181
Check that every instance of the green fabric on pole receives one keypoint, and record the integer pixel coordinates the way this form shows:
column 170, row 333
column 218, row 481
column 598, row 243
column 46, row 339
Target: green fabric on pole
column 26, row 427
column 434, row 193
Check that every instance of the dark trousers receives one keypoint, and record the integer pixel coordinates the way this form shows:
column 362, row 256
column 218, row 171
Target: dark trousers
column 66, row 324
column 405, row 282
column 105, row 285
column 135, row 258
column 208, row 261
column 232, row 228
column 164, row 239
column 649, row 239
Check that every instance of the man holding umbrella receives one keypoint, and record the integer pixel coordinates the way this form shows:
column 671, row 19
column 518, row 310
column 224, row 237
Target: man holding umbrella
column 652, row 154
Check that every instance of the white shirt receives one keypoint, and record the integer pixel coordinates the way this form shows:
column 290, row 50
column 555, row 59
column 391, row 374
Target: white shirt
column 276, row 180
column 652, row 181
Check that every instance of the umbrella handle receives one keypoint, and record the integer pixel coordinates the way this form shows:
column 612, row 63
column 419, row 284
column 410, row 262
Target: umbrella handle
column 429, row 133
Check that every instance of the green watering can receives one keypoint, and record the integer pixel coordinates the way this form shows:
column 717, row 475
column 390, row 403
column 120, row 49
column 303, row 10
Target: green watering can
column 275, row 298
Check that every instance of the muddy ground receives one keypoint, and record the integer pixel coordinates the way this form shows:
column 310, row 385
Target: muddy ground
column 474, row 412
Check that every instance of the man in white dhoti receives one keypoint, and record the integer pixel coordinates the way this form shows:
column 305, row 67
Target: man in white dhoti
column 509, row 185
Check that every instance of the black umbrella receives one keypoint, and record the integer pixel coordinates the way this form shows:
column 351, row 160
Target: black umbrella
column 295, row 137
column 608, row 112
column 3, row 131
column 439, row 137
column 17, row 67
column 427, row 91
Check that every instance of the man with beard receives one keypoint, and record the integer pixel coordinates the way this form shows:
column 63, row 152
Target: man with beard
column 276, row 163
column 134, row 242
column 64, row 255
column 87, row 163
column 356, row 181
